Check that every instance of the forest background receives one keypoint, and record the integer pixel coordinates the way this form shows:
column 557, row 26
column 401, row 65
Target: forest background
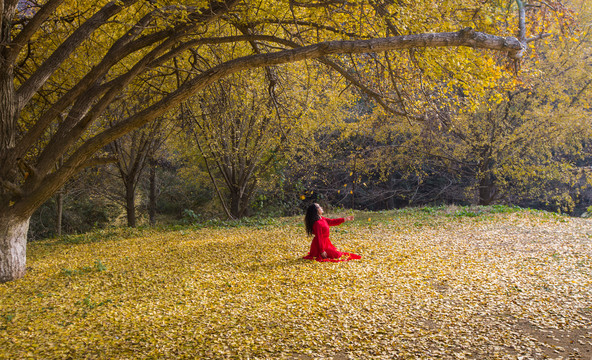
column 420, row 127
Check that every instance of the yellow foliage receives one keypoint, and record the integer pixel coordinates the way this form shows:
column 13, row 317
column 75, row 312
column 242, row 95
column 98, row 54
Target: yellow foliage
column 432, row 283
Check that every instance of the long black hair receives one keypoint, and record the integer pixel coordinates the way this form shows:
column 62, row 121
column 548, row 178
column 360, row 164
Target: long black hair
column 312, row 215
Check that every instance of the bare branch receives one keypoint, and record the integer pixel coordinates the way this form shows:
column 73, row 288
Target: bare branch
column 380, row 9
column 208, row 168
column 538, row 37
column 373, row 94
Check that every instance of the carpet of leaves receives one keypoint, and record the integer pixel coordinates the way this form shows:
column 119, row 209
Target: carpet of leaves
column 432, row 283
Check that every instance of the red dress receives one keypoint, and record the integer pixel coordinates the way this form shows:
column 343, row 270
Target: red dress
column 321, row 243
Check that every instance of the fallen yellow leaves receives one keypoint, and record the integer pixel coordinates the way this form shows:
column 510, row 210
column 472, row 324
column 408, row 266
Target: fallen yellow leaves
column 429, row 285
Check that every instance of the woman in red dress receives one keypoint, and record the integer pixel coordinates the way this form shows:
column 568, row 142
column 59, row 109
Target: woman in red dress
column 321, row 248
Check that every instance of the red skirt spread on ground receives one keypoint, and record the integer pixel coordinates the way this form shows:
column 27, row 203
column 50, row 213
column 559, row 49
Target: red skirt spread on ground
column 321, row 243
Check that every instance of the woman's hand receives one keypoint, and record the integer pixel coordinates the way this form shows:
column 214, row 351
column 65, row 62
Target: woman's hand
column 349, row 218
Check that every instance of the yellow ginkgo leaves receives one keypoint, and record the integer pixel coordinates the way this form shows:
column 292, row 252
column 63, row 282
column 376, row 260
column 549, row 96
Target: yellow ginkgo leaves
column 487, row 283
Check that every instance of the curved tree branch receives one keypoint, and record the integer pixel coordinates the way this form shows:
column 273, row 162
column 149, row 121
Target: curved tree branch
column 52, row 63
column 119, row 50
column 32, row 26
column 86, row 93
column 97, row 162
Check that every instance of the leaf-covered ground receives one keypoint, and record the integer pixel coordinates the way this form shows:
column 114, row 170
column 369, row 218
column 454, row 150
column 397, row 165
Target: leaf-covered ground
column 490, row 283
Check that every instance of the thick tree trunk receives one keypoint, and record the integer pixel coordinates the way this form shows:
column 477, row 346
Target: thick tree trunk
column 7, row 113
column 13, row 247
column 235, row 209
column 7, row 120
column 152, row 193
column 13, row 228
column 487, row 190
column 130, row 204
column 239, row 202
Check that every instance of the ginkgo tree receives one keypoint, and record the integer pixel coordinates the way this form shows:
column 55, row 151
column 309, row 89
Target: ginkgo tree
column 65, row 62
column 514, row 138
column 522, row 143
column 238, row 133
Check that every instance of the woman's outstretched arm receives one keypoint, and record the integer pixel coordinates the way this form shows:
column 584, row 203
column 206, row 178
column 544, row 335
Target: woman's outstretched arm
column 339, row 221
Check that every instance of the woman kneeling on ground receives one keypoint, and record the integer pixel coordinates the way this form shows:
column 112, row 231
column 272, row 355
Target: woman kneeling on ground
column 321, row 248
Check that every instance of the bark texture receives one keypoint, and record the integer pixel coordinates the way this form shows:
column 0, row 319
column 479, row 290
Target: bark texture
column 59, row 212
column 7, row 110
column 130, row 202
column 152, row 193
column 487, row 190
column 13, row 247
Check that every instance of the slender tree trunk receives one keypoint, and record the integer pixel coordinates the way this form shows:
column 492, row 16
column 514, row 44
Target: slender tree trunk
column 130, row 203
column 353, row 191
column 13, row 246
column 152, row 193
column 59, row 205
column 59, row 211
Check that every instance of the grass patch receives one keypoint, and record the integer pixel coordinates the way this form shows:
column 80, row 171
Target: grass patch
column 98, row 266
